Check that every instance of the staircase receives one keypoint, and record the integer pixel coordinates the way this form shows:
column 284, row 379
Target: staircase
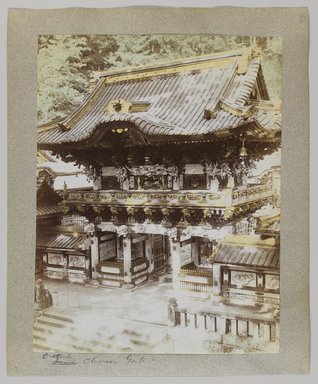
column 48, row 324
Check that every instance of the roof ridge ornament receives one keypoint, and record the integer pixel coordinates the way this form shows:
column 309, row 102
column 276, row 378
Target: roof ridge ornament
column 125, row 106
column 244, row 60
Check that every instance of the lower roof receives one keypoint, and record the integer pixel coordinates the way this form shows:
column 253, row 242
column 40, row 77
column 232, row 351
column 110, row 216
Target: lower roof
column 253, row 256
column 59, row 241
column 46, row 209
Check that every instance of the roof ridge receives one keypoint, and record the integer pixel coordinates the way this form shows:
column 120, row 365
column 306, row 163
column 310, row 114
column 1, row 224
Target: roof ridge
column 183, row 61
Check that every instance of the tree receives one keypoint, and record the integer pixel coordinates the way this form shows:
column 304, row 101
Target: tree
column 65, row 62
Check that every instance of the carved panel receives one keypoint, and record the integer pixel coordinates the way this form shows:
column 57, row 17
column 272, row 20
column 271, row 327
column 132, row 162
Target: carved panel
column 194, row 169
column 272, row 282
column 243, row 279
column 76, row 261
column 137, row 250
column 107, row 250
column 55, row 258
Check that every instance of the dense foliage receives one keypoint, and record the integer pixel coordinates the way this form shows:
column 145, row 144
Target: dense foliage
column 65, row 62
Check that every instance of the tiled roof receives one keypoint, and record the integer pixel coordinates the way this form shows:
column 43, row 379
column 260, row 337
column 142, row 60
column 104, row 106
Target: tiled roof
column 44, row 209
column 177, row 103
column 266, row 257
column 59, row 241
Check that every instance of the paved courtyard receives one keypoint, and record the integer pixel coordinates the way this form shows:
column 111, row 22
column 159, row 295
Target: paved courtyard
column 120, row 320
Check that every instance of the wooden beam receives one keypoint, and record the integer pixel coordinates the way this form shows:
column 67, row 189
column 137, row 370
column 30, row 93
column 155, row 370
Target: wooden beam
column 139, row 238
column 186, row 242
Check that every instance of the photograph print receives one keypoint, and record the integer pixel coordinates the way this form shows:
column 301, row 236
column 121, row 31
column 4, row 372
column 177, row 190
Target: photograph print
column 158, row 194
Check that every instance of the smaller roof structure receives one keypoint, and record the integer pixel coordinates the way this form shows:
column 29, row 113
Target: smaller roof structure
column 268, row 222
column 48, row 200
column 59, row 241
column 257, row 253
column 46, row 209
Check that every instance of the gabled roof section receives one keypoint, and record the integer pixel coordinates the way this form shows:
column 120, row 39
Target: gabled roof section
column 47, row 200
column 59, row 241
column 197, row 96
column 249, row 256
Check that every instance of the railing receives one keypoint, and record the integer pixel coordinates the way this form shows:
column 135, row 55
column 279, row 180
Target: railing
column 159, row 262
column 119, row 263
column 194, row 278
column 202, row 199
column 112, row 263
column 191, row 269
column 228, row 328
column 233, row 329
column 249, row 194
column 154, row 198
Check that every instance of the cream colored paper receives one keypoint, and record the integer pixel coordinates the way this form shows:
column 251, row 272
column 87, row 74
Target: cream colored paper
column 23, row 28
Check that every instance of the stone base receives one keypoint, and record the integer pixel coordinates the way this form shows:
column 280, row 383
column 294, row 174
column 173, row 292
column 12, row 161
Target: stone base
column 151, row 277
column 92, row 284
column 128, row 286
column 217, row 299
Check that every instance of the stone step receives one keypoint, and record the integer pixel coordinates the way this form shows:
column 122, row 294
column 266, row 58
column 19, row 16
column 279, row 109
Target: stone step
column 140, row 342
column 57, row 316
column 40, row 347
column 43, row 328
column 38, row 335
column 54, row 323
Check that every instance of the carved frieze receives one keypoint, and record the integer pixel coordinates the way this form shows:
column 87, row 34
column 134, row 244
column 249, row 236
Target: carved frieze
column 55, row 258
column 244, row 279
column 107, row 250
column 77, row 261
column 272, row 282
column 125, row 172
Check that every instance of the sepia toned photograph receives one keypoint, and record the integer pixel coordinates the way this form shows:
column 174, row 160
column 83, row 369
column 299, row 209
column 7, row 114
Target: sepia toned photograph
column 158, row 194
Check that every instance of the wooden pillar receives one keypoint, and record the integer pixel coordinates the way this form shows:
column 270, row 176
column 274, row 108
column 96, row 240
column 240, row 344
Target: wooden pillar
column 176, row 262
column 234, row 327
column 195, row 254
column 127, row 261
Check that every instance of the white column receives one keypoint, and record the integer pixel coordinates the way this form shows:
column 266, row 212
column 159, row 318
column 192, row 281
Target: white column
column 242, row 327
column 221, row 325
column 267, row 332
column 149, row 253
column 118, row 247
column 176, row 262
column 216, row 279
column 97, row 183
column 94, row 256
column 214, row 185
column 127, row 260
column 195, row 254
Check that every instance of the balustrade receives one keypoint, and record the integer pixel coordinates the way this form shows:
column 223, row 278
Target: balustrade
column 229, row 328
column 194, row 278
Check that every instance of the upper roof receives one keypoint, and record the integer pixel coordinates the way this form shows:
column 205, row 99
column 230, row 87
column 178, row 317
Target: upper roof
column 197, row 96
